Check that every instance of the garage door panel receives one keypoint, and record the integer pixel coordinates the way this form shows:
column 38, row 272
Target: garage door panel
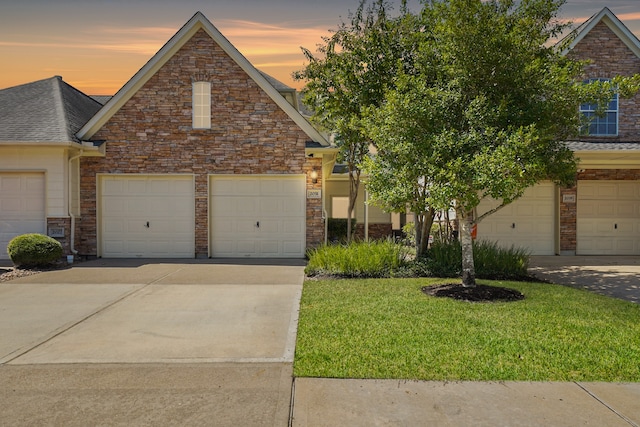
column 147, row 216
column 526, row 223
column 608, row 218
column 22, row 206
column 266, row 200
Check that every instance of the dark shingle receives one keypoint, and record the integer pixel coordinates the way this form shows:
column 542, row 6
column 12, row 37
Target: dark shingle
column 47, row 110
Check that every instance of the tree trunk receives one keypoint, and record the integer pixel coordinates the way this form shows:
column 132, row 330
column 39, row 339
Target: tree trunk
column 354, row 183
column 468, row 267
column 424, row 221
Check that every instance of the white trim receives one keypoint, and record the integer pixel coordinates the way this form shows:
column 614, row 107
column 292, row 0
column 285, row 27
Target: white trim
column 197, row 22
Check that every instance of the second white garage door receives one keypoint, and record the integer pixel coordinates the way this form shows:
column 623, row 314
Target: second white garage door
column 526, row 223
column 258, row 216
column 608, row 218
column 147, row 216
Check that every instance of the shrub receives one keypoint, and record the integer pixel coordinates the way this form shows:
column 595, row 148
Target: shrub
column 491, row 261
column 34, row 250
column 382, row 258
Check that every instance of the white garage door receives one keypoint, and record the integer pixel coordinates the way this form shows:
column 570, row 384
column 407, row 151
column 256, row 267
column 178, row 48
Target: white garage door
column 258, row 216
column 22, row 206
column 526, row 223
column 608, row 218
column 147, row 216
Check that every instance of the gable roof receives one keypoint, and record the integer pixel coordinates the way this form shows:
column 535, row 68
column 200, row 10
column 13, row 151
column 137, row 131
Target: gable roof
column 45, row 111
column 196, row 23
column 610, row 20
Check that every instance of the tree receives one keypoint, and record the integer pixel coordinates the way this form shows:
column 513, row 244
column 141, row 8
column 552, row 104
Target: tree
column 351, row 72
column 484, row 115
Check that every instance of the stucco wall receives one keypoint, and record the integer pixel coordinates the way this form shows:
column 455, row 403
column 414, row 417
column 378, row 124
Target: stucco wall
column 50, row 160
column 340, row 188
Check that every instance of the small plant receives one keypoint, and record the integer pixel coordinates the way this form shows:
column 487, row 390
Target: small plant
column 381, row 258
column 444, row 259
column 34, row 250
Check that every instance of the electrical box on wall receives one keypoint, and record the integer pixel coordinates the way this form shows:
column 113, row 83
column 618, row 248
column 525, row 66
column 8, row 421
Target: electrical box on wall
column 55, row 232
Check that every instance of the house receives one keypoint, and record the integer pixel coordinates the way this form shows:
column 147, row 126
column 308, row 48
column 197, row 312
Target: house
column 601, row 214
column 198, row 155
column 202, row 155
column 39, row 158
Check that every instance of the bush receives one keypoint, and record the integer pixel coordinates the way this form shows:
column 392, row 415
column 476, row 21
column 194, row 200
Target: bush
column 382, row 258
column 337, row 229
column 34, row 250
column 491, row 261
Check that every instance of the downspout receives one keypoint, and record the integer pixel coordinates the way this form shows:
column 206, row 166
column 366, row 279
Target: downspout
column 70, row 207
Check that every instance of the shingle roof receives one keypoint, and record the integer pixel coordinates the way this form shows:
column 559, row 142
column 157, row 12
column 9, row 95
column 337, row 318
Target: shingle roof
column 603, row 146
column 47, row 110
column 277, row 84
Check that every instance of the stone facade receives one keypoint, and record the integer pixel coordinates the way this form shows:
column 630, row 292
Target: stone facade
column 64, row 224
column 608, row 57
column 152, row 134
column 376, row 231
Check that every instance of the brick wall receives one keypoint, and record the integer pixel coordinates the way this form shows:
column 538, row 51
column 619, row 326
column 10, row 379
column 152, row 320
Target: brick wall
column 152, row 134
column 65, row 224
column 609, row 57
column 376, row 231
column 569, row 211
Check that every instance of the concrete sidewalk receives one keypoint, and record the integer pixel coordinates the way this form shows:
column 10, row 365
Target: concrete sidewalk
column 332, row 402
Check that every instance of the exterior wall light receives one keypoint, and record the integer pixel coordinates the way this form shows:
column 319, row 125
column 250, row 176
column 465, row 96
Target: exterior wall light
column 314, row 176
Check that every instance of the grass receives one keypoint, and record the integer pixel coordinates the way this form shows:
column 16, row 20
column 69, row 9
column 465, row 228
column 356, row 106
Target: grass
column 387, row 328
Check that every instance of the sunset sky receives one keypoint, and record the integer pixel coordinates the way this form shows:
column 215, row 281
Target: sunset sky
column 98, row 45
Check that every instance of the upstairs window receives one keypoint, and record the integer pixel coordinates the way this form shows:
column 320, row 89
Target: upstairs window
column 606, row 125
column 202, row 105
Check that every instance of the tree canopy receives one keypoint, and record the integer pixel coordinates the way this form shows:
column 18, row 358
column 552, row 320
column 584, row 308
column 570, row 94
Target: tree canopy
column 484, row 114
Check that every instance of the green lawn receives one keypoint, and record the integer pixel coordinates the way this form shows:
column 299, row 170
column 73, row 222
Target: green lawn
column 387, row 328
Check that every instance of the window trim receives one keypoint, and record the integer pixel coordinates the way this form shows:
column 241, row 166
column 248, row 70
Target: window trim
column 201, row 105
column 588, row 110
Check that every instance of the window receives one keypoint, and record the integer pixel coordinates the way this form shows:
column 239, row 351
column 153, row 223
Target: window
column 339, row 207
column 202, row 105
column 606, row 125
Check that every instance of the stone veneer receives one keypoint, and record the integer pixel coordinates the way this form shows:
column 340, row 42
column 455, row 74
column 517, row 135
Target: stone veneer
column 376, row 231
column 569, row 211
column 152, row 134
column 610, row 57
column 65, row 224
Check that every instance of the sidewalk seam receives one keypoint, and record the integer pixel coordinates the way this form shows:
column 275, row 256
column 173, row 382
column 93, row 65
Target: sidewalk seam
column 74, row 324
column 631, row 422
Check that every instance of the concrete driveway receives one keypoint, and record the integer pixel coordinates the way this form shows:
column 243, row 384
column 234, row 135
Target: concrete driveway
column 140, row 342
column 614, row 276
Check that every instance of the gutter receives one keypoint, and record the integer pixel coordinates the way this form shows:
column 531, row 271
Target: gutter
column 69, row 206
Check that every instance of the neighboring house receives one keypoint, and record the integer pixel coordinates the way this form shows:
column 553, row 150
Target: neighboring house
column 601, row 214
column 198, row 155
column 39, row 158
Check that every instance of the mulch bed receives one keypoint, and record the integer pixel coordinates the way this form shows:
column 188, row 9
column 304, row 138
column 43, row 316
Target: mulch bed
column 479, row 293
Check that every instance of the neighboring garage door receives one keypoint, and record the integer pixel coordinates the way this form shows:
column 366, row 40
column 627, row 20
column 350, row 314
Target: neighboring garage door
column 22, row 206
column 147, row 216
column 608, row 220
column 526, row 223
column 258, row 216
